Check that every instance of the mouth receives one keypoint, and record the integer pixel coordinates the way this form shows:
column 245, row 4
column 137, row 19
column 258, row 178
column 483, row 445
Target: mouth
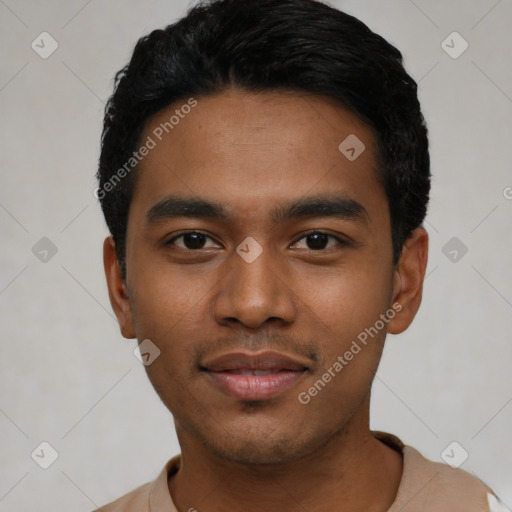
column 255, row 376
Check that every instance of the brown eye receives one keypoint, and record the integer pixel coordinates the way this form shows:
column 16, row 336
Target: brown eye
column 190, row 241
column 318, row 240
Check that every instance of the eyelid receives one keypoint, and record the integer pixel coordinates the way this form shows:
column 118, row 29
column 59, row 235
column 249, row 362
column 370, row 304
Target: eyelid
column 341, row 240
column 188, row 232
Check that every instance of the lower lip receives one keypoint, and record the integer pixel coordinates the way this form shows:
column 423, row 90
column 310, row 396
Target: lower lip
column 256, row 387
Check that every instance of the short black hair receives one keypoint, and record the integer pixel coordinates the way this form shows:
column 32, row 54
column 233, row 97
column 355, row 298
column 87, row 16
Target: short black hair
column 266, row 45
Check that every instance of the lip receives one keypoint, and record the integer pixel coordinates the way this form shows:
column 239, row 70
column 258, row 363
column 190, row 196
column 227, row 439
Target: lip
column 238, row 374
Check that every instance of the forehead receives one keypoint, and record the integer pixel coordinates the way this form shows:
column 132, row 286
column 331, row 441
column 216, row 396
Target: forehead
column 247, row 151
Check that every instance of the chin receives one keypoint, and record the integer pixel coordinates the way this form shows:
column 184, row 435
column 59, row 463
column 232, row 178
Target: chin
column 258, row 437
column 255, row 452
column 262, row 449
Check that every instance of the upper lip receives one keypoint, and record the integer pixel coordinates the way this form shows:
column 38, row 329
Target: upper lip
column 267, row 360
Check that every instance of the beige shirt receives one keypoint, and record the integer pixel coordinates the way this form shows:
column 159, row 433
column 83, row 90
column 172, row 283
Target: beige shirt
column 425, row 486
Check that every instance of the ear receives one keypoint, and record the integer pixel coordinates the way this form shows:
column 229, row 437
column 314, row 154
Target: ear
column 408, row 280
column 117, row 291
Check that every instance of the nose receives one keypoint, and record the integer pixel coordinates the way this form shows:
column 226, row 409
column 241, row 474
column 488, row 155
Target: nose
column 253, row 293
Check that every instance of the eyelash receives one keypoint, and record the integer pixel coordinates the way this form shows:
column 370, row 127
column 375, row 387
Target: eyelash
column 312, row 232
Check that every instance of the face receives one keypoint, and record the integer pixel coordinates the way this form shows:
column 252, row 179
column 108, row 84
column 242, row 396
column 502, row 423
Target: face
column 258, row 253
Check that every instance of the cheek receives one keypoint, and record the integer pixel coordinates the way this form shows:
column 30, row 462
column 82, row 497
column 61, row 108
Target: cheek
column 165, row 295
column 347, row 300
column 164, row 313
column 346, row 309
column 345, row 315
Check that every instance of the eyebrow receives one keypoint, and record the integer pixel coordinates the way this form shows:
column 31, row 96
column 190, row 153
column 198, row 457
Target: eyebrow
column 340, row 207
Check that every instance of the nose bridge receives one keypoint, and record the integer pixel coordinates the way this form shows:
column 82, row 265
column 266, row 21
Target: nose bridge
column 254, row 266
column 254, row 289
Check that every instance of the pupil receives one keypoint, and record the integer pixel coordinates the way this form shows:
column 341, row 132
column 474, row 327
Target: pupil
column 318, row 241
column 193, row 240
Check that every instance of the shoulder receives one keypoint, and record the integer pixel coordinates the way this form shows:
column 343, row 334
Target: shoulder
column 151, row 496
column 135, row 501
column 434, row 486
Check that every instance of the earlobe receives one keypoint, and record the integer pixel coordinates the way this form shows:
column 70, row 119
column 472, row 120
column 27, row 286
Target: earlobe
column 117, row 291
column 408, row 280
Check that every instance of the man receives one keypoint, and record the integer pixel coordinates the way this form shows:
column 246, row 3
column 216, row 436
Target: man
column 265, row 175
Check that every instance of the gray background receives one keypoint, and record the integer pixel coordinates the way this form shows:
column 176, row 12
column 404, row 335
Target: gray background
column 67, row 375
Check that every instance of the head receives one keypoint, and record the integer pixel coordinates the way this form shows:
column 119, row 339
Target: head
column 264, row 174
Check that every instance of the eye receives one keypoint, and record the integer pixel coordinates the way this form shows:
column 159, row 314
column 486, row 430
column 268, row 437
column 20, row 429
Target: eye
column 318, row 240
column 191, row 240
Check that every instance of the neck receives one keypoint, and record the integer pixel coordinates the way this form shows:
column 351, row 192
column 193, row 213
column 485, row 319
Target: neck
column 352, row 472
